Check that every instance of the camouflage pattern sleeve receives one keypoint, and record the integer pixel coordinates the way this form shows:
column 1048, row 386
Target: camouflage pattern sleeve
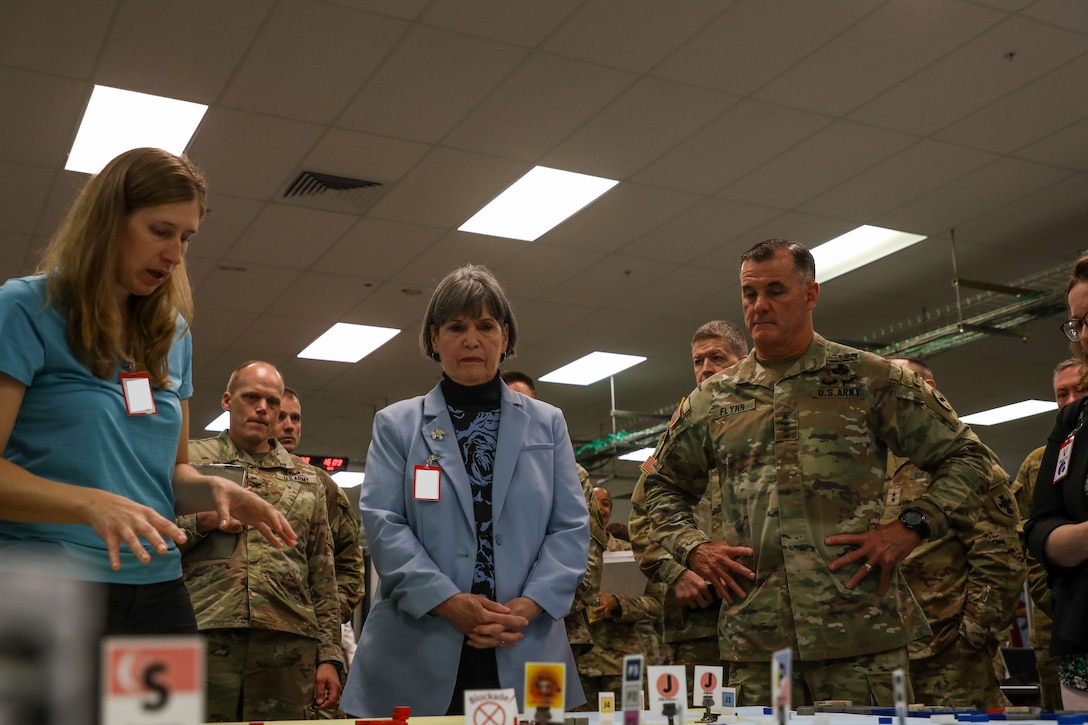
column 347, row 554
column 676, row 476
column 653, row 560
column 1024, row 488
column 187, row 523
column 996, row 566
column 322, row 584
column 920, row 424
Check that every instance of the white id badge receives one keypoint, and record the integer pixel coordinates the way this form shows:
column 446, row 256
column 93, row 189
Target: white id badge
column 428, row 483
column 139, row 400
column 1064, row 453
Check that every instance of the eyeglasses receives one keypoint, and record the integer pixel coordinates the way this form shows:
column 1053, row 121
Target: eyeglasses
column 1072, row 328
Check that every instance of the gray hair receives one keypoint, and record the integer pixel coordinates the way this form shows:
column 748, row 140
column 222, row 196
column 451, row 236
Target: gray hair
column 470, row 289
column 1069, row 362
column 727, row 332
column 803, row 263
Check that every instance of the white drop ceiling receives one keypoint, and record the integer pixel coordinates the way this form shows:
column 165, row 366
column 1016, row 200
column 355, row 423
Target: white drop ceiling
column 725, row 122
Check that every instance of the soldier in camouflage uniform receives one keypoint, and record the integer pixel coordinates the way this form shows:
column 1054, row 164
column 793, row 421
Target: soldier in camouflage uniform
column 691, row 609
column 967, row 582
column 799, row 432
column 620, row 625
column 270, row 615
column 343, row 528
column 577, row 620
column 1066, row 381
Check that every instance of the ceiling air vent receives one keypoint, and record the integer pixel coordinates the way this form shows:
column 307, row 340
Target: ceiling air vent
column 333, row 193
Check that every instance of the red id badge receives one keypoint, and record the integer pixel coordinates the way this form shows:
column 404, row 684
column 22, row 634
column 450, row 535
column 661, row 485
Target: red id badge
column 139, row 400
column 428, row 483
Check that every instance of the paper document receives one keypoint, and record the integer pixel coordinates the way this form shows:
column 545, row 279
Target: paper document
column 621, row 575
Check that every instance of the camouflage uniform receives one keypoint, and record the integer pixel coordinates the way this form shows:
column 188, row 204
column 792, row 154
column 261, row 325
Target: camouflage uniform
column 690, row 635
column 347, row 558
column 347, row 554
column 577, row 620
column 802, row 458
column 634, row 628
column 1023, row 488
column 968, row 583
column 240, row 583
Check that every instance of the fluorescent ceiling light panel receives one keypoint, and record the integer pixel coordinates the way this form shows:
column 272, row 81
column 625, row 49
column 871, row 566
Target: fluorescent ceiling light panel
column 536, row 203
column 344, row 342
column 638, row 456
column 858, row 248
column 348, row 479
column 1013, row 411
column 591, row 368
column 117, row 120
column 219, row 424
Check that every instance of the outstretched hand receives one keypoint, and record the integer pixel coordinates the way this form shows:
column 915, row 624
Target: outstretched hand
column 118, row 520
column 234, row 502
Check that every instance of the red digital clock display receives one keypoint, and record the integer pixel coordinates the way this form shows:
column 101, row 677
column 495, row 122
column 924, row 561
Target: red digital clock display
column 332, row 464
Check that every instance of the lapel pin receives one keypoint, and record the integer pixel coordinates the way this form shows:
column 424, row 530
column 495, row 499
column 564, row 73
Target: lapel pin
column 438, row 434
column 431, row 460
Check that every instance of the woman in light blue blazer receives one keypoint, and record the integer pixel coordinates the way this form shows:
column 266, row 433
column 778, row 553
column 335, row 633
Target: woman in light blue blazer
column 476, row 521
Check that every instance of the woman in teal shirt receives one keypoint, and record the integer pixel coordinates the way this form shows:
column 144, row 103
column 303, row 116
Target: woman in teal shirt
column 95, row 376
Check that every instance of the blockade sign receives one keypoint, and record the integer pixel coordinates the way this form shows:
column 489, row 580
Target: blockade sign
column 153, row 680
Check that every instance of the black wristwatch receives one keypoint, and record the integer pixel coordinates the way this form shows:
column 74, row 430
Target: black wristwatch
column 914, row 520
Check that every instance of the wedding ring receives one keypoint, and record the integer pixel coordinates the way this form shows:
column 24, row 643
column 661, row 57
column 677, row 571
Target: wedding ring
column 868, row 566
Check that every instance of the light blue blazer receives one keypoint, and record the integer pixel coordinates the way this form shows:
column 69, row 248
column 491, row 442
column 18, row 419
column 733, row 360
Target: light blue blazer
column 425, row 551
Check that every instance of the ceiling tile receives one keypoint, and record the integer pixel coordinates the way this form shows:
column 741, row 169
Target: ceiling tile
column 613, row 277
column 622, row 215
column 74, row 31
column 25, row 190
column 1067, row 148
column 39, row 130
column 827, row 158
column 744, row 137
column 896, row 40
column 15, row 254
column 971, row 196
column 454, row 184
column 733, row 53
column 250, row 155
column 1029, row 114
column 1066, row 13
column 650, row 118
column 310, row 60
column 524, row 24
column 448, row 73
column 323, row 297
column 910, row 173
column 288, row 236
column 534, row 109
column 376, row 248
column 699, row 230
column 364, row 156
column 251, row 290
column 540, row 267
column 636, row 39
column 191, row 55
column 972, row 77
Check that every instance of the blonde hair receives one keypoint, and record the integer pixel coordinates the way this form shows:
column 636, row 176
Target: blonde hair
column 82, row 256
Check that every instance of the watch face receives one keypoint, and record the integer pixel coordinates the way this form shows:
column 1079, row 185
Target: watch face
column 911, row 519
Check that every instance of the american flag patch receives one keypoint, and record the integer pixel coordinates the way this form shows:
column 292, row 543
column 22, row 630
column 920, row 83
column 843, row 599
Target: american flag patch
column 649, row 465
